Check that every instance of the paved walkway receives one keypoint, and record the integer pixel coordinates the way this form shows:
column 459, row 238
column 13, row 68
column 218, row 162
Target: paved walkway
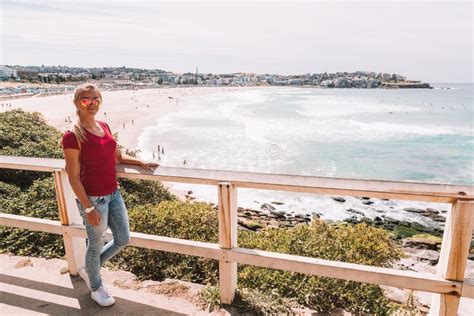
column 31, row 286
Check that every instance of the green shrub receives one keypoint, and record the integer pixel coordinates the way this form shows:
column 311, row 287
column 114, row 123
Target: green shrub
column 247, row 301
column 38, row 201
column 27, row 134
column 141, row 192
column 357, row 244
column 193, row 221
column 210, row 298
column 8, row 191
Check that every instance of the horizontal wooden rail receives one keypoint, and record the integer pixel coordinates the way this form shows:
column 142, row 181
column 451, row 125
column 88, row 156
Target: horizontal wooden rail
column 31, row 223
column 347, row 271
column 308, row 184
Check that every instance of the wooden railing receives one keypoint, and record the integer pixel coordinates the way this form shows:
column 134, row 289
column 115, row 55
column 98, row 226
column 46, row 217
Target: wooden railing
column 447, row 286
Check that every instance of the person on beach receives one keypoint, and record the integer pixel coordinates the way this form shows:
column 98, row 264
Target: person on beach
column 91, row 154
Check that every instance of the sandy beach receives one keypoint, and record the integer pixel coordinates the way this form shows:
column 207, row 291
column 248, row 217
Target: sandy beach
column 126, row 111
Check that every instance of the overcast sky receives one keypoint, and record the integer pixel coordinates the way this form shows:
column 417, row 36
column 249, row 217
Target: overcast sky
column 425, row 40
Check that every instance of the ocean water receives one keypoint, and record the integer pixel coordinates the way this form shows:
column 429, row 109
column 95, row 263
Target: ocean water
column 422, row 135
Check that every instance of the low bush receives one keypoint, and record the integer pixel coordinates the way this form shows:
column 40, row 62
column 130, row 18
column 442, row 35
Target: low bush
column 193, row 221
column 39, row 201
column 361, row 244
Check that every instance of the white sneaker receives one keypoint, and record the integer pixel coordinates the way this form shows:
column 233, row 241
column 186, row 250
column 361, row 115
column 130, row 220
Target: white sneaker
column 83, row 274
column 102, row 297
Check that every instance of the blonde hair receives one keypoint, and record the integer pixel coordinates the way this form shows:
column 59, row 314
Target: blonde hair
column 78, row 130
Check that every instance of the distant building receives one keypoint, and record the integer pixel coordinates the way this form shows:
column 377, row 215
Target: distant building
column 7, row 73
column 386, row 77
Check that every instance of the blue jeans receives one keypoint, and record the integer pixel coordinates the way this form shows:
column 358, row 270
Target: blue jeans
column 113, row 213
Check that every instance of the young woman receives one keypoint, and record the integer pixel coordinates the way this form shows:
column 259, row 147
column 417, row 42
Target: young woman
column 91, row 154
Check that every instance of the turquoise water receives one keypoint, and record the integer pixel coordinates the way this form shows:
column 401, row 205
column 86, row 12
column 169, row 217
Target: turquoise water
column 417, row 135
column 423, row 135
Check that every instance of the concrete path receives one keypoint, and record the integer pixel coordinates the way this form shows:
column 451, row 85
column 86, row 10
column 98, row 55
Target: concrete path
column 36, row 286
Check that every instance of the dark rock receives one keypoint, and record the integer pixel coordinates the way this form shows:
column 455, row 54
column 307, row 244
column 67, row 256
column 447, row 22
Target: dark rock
column 438, row 231
column 277, row 214
column 420, row 243
column 352, row 220
column 366, row 220
column 380, row 211
column 248, row 213
column 391, row 220
column 338, row 199
column 432, row 211
column 430, row 256
column 378, row 219
column 365, row 198
column 316, row 215
column 268, row 207
column 388, row 226
column 418, row 226
column 277, row 203
column 367, row 202
column 439, row 218
column 351, row 210
column 429, row 230
column 414, row 210
column 444, row 211
column 190, row 192
column 251, row 225
column 405, row 223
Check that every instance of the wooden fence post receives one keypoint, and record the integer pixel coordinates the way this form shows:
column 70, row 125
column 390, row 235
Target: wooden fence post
column 454, row 251
column 227, row 240
column 75, row 247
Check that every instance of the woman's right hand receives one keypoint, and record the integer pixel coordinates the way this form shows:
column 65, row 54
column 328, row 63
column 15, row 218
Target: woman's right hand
column 93, row 217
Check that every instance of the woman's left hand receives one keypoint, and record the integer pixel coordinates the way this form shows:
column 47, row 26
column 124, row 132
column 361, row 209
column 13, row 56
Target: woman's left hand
column 149, row 165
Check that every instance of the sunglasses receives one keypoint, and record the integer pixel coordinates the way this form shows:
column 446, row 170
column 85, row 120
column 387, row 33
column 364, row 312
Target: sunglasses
column 87, row 101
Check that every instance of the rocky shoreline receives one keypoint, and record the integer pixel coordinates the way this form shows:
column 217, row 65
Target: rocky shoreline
column 402, row 230
column 269, row 216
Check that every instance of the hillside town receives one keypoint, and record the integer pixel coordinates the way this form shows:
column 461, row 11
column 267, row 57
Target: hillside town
column 28, row 80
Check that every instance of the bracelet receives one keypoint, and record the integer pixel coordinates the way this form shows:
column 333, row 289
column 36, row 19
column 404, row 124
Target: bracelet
column 89, row 209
